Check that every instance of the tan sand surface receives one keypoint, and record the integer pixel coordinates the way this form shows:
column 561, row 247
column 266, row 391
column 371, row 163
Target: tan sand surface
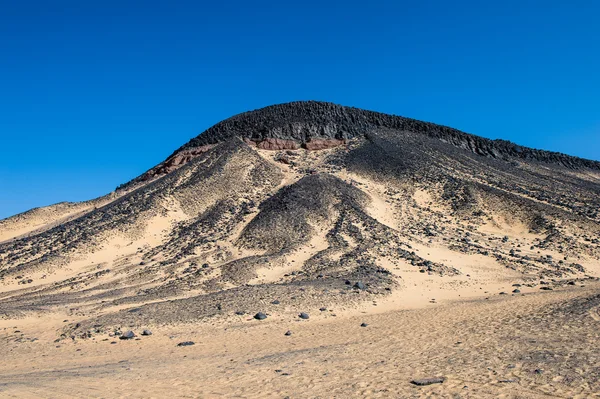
column 485, row 349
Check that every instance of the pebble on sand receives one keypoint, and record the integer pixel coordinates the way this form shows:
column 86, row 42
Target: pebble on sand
column 428, row 381
column 260, row 316
column 127, row 335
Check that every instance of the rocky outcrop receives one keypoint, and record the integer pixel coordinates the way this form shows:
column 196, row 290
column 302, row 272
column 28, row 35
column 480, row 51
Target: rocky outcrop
column 182, row 157
column 175, row 161
column 281, row 144
column 274, row 144
column 317, row 125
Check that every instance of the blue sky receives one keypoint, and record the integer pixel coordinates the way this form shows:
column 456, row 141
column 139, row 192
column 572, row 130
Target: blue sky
column 95, row 93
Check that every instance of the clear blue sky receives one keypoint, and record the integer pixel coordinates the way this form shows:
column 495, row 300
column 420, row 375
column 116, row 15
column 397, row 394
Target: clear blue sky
column 95, row 93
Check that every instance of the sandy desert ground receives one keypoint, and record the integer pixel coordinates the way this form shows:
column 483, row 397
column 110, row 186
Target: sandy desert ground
column 536, row 344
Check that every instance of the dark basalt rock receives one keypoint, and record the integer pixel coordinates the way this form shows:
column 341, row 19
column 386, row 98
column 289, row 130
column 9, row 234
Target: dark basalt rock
column 309, row 121
column 260, row 316
column 428, row 381
column 128, row 335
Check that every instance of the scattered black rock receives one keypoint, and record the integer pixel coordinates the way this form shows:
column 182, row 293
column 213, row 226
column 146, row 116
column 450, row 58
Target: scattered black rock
column 127, row 335
column 288, row 333
column 260, row 316
column 428, row 381
column 186, row 343
column 146, row 332
column 304, row 316
column 363, row 324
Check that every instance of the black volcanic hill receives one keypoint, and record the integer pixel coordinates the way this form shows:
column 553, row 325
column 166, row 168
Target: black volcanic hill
column 308, row 202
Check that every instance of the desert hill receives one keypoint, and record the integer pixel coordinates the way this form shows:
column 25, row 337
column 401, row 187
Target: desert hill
column 255, row 193
column 306, row 206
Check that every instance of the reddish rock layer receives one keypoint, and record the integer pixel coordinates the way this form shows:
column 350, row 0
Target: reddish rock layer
column 323, row 144
column 281, row 144
column 181, row 158
column 176, row 161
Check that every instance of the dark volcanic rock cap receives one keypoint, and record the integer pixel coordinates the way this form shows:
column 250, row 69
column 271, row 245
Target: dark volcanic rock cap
column 313, row 121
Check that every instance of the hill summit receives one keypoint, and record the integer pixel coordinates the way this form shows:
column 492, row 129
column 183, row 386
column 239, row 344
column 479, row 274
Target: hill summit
column 315, row 125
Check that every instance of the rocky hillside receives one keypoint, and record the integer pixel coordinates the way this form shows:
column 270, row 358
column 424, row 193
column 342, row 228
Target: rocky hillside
column 317, row 125
column 308, row 204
